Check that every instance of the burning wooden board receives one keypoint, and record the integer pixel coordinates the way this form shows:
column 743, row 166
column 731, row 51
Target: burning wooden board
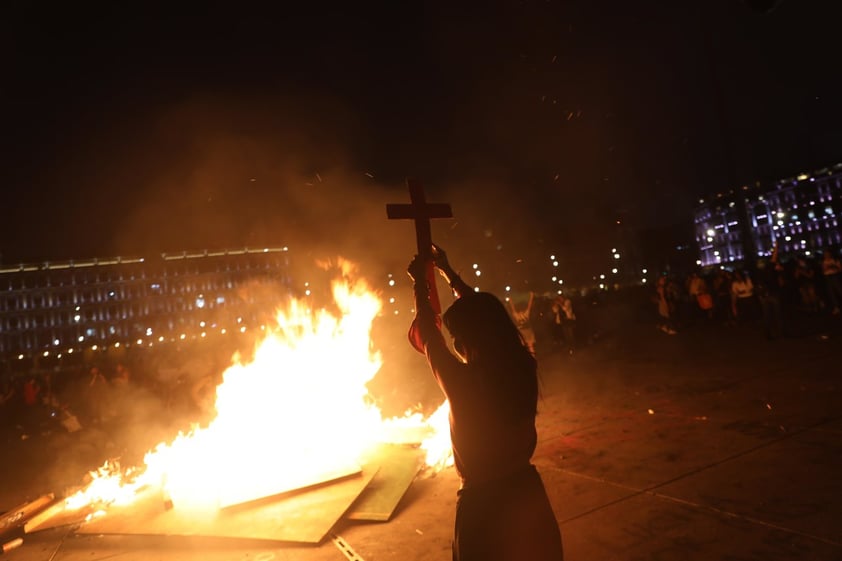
column 232, row 497
column 13, row 521
column 398, row 466
column 56, row 515
column 305, row 516
column 23, row 512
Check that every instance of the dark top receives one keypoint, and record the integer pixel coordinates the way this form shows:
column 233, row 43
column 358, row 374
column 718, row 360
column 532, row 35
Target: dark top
column 489, row 440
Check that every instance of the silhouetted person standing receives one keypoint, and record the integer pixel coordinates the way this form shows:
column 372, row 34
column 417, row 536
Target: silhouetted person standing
column 832, row 272
column 502, row 509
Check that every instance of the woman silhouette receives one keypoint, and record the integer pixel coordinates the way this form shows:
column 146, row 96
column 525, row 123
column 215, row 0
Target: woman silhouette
column 502, row 509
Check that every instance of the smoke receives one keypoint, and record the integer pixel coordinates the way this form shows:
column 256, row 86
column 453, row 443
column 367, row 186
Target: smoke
column 231, row 172
column 225, row 173
column 217, row 172
column 304, row 171
column 309, row 162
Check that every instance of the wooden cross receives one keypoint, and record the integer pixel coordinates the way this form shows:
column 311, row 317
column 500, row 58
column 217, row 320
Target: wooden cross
column 421, row 212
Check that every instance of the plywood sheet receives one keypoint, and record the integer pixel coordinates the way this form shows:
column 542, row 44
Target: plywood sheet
column 398, row 466
column 21, row 513
column 55, row 515
column 233, row 497
column 305, row 516
column 13, row 521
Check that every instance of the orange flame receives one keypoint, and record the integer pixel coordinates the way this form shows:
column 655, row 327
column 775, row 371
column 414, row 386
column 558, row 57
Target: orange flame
column 298, row 414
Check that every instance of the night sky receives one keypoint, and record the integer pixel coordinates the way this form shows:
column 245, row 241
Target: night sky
column 130, row 129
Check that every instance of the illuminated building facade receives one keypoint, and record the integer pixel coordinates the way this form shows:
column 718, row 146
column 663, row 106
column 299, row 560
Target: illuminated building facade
column 801, row 214
column 52, row 309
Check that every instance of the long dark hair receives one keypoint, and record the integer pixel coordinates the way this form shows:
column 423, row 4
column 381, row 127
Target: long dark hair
column 491, row 341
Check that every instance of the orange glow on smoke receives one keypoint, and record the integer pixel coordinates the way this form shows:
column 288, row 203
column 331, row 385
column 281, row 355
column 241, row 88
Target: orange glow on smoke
column 298, row 414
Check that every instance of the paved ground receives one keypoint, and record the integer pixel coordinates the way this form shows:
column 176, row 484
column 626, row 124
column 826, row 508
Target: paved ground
column 711, row 444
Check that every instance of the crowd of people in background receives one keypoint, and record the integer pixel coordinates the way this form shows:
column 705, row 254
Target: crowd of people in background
column 547, row 321
column 104, row 394
column 779, row 298
column 779, row 295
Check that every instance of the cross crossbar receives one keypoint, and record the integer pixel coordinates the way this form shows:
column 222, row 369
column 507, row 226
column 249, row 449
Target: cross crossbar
column 433, row 210
column 420, row 211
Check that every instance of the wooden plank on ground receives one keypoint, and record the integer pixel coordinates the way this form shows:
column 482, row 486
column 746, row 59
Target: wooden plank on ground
column 241, row 494
column 23, row 512
column 303, row 517
column 56, row 515
column 13, row 521
column 399, row 465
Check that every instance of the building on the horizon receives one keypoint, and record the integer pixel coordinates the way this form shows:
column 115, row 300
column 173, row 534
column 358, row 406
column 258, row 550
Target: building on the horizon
column 61, row 308
column 802, row 215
